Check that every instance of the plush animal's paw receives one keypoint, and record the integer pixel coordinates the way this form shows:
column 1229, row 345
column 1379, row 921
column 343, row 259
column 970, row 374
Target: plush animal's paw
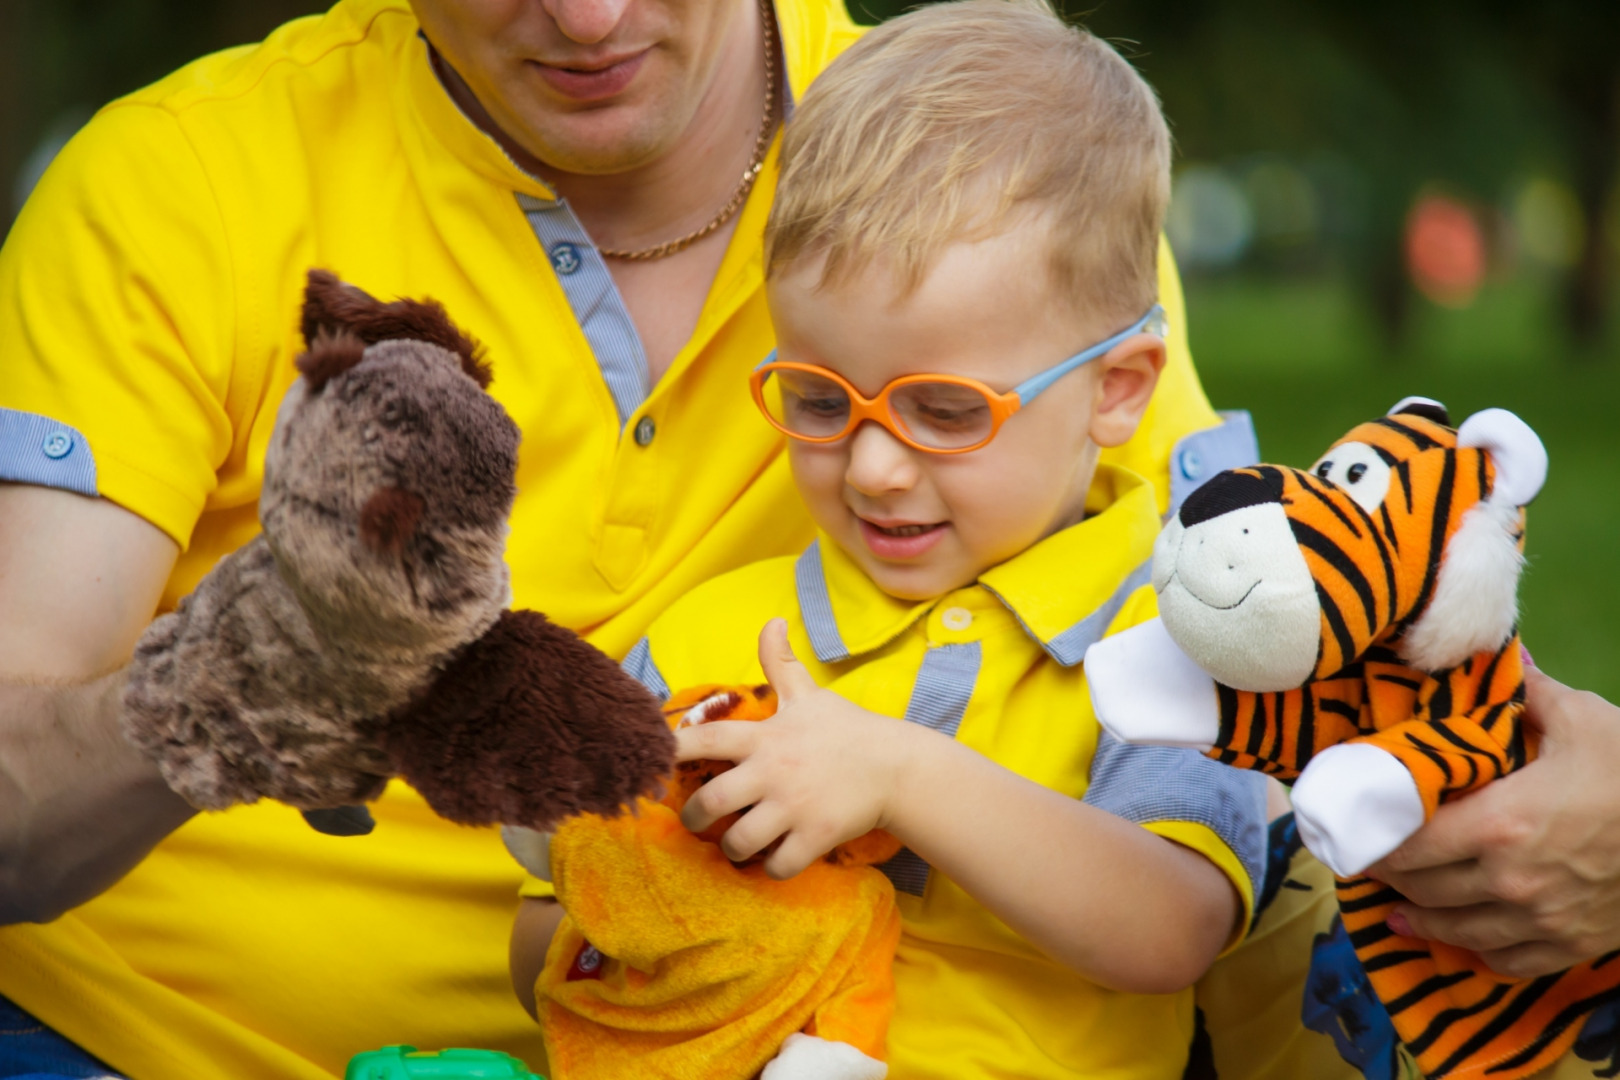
column 1354, row 804
column 529, row 725
column 805, row 1057
column 530, row 847
column 1146, row 690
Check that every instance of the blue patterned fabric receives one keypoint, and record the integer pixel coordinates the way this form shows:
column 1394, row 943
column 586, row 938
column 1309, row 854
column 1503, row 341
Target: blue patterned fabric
column 816, row 607
column 1340, row 1003
column 597, row 305
column 1202, row 454
column 638, row 664
column 35, row 449
column 939, row 700
column 1160, row 783
column 31, row 1051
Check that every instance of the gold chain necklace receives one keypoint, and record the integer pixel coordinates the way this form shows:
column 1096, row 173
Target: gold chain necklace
column 762, row 144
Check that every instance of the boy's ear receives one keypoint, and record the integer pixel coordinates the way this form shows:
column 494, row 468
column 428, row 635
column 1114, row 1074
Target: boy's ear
column 1127, row 376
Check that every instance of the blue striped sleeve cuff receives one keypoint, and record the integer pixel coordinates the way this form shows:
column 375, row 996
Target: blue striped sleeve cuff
column 1145, row 784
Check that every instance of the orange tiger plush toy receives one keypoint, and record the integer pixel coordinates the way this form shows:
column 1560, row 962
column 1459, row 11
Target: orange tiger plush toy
column 1359, row 622
column 673, row 962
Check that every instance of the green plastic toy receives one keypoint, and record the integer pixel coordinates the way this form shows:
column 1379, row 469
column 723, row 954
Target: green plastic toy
column 409, row 1063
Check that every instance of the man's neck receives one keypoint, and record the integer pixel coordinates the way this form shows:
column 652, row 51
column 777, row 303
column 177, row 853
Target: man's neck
column 683, row 189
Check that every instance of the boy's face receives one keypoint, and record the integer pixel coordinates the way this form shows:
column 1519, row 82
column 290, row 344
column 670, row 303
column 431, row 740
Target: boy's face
column 922, row 524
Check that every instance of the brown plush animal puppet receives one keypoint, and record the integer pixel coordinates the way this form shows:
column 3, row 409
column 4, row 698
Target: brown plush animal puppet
column 364, row 634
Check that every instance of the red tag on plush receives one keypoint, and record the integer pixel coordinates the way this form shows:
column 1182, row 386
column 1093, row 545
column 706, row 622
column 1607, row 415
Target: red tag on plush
column 587, row 963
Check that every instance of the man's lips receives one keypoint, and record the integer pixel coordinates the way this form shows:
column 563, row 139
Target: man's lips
column 591, row 80
column 900, row 540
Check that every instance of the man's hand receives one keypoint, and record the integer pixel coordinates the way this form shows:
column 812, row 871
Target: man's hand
column 819, row 772
column 1526, row 871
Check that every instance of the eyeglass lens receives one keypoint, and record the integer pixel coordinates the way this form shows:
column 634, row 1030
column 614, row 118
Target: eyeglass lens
column 944, row 416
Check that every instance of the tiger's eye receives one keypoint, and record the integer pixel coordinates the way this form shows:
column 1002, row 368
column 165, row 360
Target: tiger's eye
column 1323, row 469
column 1356, row 472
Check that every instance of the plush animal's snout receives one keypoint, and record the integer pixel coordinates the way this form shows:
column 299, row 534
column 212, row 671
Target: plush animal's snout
column 389, row 518
column 1228, row 492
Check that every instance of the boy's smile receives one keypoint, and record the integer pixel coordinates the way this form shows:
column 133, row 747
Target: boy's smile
column 921, row 524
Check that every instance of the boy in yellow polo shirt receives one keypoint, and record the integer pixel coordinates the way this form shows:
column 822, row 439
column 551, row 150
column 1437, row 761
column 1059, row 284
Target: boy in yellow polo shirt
column 969, row 195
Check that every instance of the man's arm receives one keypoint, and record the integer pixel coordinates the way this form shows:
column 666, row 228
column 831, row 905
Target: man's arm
column 1526, row 871
column 79, row 806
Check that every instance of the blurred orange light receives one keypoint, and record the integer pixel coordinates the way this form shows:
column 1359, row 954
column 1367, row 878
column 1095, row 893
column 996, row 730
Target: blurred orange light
column 1445, row 250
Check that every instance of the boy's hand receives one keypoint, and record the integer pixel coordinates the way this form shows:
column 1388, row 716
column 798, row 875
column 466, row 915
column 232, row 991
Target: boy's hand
column 819, row 772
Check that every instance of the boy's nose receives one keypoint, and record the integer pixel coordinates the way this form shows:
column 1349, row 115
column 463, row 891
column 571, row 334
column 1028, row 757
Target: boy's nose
column 879, row 462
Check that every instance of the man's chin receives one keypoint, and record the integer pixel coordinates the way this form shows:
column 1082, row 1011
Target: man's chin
column 600, row 140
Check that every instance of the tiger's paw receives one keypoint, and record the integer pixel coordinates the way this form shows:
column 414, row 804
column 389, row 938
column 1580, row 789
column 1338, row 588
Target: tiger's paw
column 1146, row 690
column 1354, row 804
column 805, row 1057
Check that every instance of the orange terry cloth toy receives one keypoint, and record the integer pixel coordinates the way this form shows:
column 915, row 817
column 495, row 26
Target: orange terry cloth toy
column 1359, row 622
column 674, row 962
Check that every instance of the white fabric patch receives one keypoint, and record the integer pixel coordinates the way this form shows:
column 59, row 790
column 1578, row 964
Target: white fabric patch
column 1354, row 804
column 1476, row 596
column 1516, row 452
column 1238, row 598
column 1144, row 689
column 805, row 1057
column 530, row 847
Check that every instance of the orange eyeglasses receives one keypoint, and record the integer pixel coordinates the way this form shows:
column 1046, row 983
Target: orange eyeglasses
column 939, row 414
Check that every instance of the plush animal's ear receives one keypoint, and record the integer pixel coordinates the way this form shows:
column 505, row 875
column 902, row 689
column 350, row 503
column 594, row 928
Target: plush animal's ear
column 1515, row 450
column 334, row 309
column 1428, row 408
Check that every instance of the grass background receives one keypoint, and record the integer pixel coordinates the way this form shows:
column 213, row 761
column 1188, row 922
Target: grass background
column 1307, row 361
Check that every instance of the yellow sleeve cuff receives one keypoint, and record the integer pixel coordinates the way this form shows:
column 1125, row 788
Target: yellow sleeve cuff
column 1205, row 841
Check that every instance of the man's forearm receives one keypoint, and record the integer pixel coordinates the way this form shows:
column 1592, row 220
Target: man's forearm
column 79, row 806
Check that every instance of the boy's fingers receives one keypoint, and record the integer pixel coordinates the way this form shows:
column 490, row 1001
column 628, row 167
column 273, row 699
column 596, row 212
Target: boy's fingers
column 725, row 794
column 754, row 831
column 792, row 856
column 783, row 671
column 718, row 740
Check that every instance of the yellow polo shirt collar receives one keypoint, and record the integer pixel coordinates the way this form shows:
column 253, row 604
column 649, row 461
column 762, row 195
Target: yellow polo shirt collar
column 1064, row 591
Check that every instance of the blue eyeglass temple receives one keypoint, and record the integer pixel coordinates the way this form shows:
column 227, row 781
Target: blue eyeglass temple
column 1154, row 322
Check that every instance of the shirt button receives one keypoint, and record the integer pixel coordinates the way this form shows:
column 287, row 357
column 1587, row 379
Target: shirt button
column 565, row 258
column 645, row 431
column 58, row 444
column 1192, row 464
column 956, row 618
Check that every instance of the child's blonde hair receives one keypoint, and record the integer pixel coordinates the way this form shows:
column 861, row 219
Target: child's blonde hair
column 940, row 125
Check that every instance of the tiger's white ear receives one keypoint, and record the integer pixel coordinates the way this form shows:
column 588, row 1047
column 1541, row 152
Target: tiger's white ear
column 1516, row 451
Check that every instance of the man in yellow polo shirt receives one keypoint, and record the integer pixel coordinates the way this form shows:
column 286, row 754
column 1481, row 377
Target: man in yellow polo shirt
column 574, row 181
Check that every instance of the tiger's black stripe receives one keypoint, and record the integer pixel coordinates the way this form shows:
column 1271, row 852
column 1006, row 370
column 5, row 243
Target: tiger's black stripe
column 1440, row 516
column 1418, row 439
column 1555, row 1028
column 1307, row 482
column 1445, row 1019
column 1393, row 959
column 1336, row 625
column 1426, row 989
column 1335, row 556
column 1527, row 996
